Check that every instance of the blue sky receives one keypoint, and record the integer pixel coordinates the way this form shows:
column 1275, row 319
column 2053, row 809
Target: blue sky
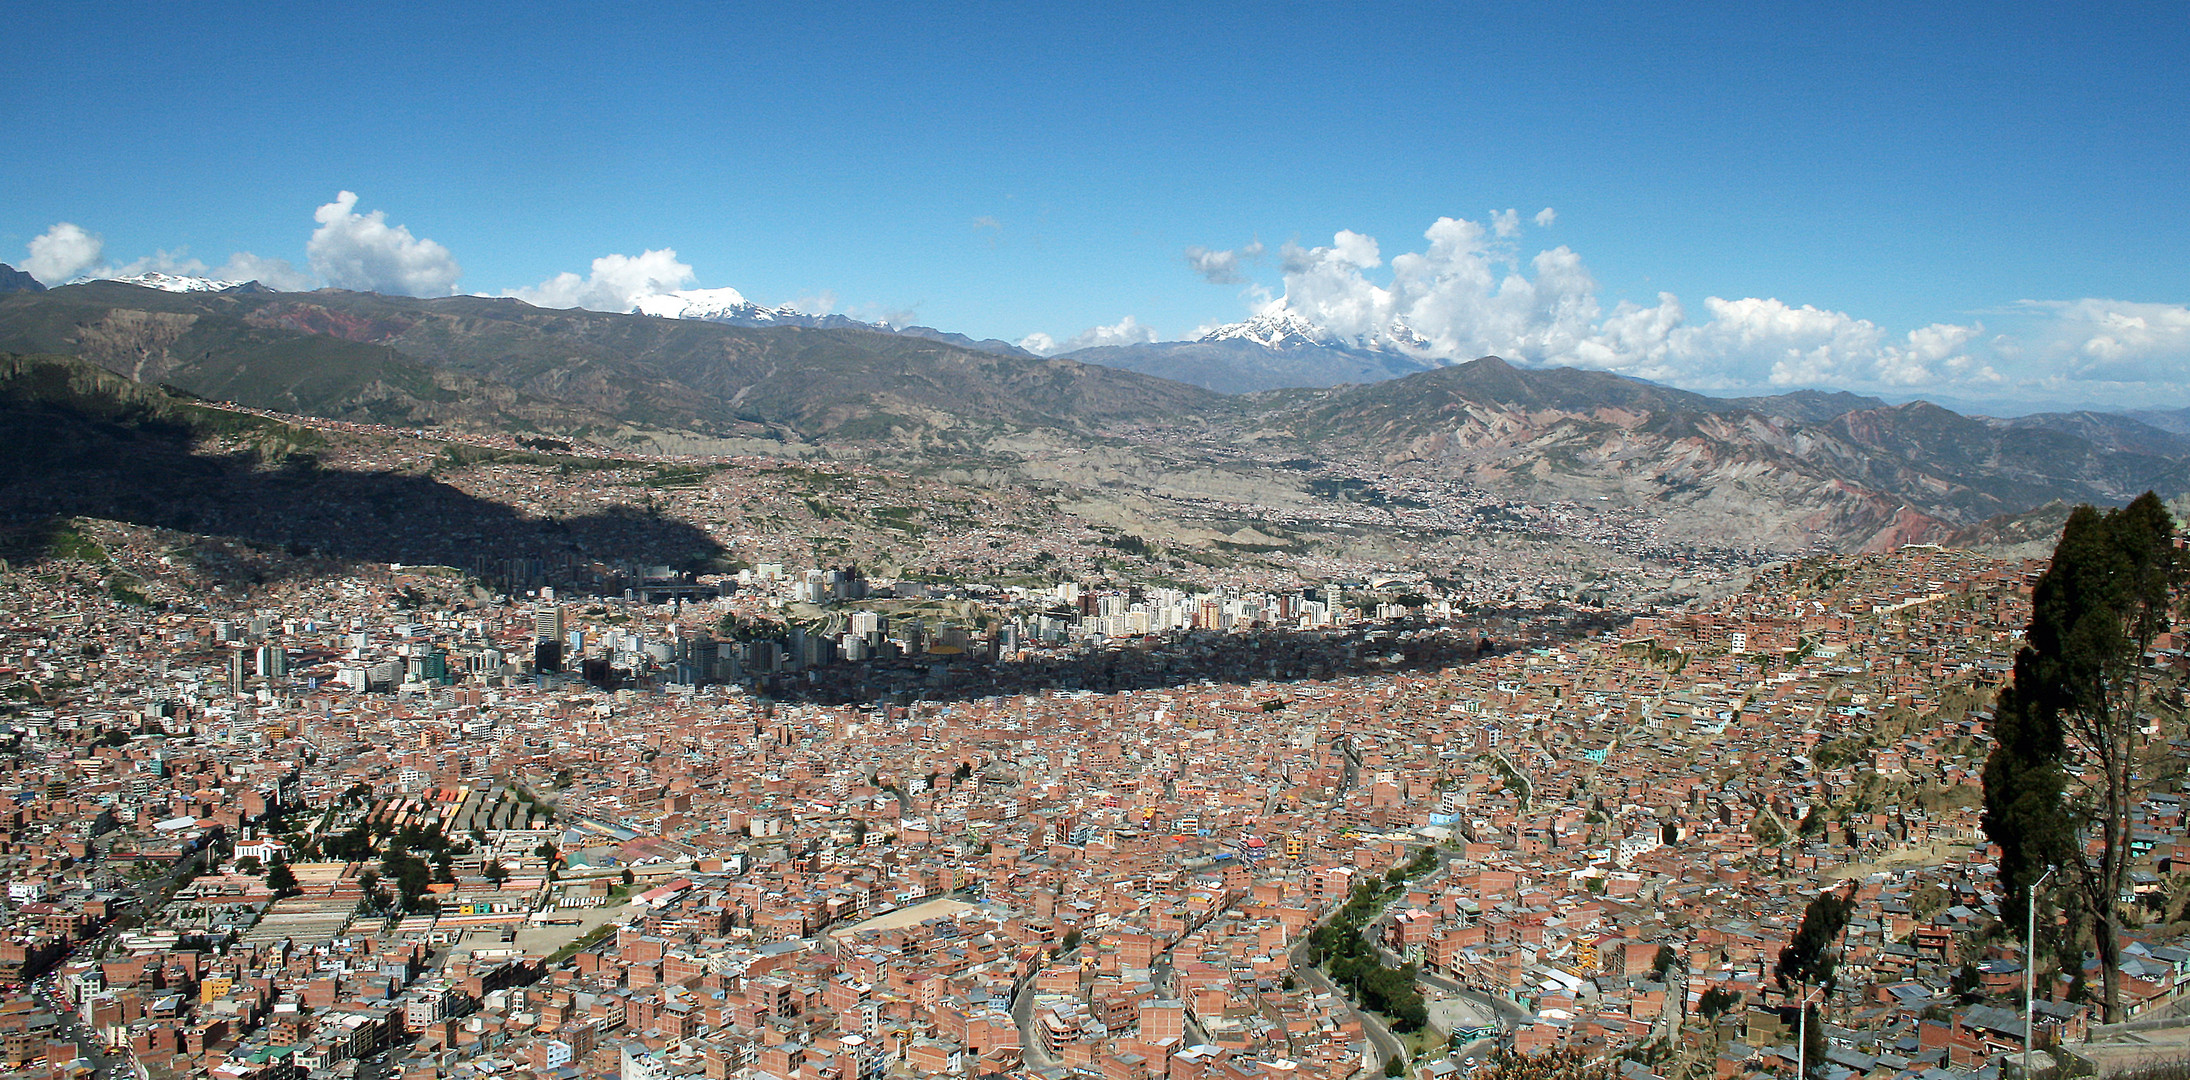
column 2006, row 184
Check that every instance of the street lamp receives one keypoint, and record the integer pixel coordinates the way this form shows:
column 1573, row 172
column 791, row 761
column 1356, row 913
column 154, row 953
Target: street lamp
column 1802, row 1033
column 2030, row 960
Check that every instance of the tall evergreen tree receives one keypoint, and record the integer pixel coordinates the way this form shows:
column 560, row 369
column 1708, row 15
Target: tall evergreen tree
column 2062, row 775
column 281, row 879
column 1814, row 951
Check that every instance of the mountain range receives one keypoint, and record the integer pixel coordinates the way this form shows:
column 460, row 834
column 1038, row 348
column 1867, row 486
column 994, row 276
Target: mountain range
column 730, row 308
column 1783, row 472
column 1275, row 349
column 495, row 363
column 1779, row 471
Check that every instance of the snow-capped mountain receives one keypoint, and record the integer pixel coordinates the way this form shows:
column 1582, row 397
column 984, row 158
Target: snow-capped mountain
column 1276, row 348
column 1274, row 329
column 1283, row 328
column 729, row 306
column 180, row 283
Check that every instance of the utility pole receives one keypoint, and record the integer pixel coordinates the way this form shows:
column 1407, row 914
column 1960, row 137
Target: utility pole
column 1802, row 1034
column 2030, row 961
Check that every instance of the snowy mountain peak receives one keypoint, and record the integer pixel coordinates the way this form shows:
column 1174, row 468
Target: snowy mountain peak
column 730, row 307
column 1283, row 328
column 727, row 305
column 179, row 283
column 696, row 304
column 1274, row 329
column 1404, row 336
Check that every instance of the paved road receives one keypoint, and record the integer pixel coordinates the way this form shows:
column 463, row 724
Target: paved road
column 1159, row 974
column 1022, row 1014
column 1385, row 1044
column 149, row 896
column 72, row 1027
column 1490, row 1006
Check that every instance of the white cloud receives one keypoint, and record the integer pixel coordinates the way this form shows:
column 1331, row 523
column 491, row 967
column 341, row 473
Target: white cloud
column 177, row 262
column 1126, row 331
column 272, row 273
column 1464, row 293
column 1222, row 267
column 65, row 253
column 1123, row 332
column 1758, row 342
column 1545, row 217
column 61, row 253
column 1469, row 294
column 615, row 283
column 2112, row 339
column 1808, row 346
column 362, row 251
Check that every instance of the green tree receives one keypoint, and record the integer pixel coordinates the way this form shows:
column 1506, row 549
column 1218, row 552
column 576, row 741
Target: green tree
column 281, row 879
column 411, row 880
column 1661, row 965
column 496, row 872
column 2063, row 763
column 1811, row 955
column 1716, row 1001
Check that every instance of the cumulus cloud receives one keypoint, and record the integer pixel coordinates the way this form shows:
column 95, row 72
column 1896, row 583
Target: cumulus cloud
column 176, row 262
column 1545, row 217
column 1126, row 331
column 1123, row 332
column 615, row 283
column 66, row 252
column 362, row 251
column 62, row 252
column 1468, row 293
column 1223, row 267
column 2112, row 339
column 272, row 273
column 1809, row 346
column 1463, row 293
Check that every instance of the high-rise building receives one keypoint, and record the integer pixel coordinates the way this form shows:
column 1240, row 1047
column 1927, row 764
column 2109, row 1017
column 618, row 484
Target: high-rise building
column 547, row 624
column 273, row 662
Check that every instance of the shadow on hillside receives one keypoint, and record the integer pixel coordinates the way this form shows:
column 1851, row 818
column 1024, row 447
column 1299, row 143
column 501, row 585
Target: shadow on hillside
column 64, row 463
column 1277, row 656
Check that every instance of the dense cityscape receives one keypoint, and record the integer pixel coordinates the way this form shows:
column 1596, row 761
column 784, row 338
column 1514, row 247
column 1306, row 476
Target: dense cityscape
column 1223, row 541
column 796, row 822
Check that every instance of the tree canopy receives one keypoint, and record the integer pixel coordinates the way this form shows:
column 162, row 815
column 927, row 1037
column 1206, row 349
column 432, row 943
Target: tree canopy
column 2063, row 772
column 281, row 879
column 1811, row 956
